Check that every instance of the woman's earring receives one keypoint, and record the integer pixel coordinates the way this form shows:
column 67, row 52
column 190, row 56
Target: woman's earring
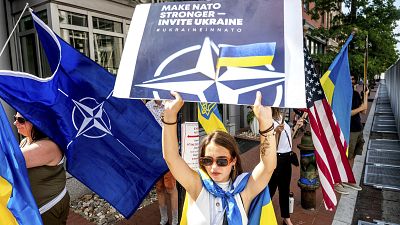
column 233, row 167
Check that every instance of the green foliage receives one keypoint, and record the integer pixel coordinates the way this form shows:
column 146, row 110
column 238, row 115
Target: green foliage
column 375, row 18
column 250, row 116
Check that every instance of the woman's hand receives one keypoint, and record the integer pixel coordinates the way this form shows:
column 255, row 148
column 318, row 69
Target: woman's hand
column 300, row 122
column 172, row 107
column 262, row 113
column 279, row 128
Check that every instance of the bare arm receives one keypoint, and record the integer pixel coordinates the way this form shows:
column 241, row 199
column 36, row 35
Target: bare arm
column 363, row 107
column 263, row 171
column 187, row 177
column 42, row 153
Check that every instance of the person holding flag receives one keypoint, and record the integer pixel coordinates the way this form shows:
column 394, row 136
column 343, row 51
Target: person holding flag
column 45, row 163
column 358, row 105
column 283, row 173
column 219, row 193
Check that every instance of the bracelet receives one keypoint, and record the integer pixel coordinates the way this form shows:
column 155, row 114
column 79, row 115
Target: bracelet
column 166, row 123
column 268, row 135
column 267, row 130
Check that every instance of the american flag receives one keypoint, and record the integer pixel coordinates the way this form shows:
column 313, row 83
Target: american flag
column 329, row 141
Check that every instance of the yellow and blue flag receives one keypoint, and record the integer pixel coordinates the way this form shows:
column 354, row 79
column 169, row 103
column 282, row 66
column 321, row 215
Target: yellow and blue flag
column 251, row 55
column 209, row 117
column 337, row 86
column 261, row 209
column 17, row 205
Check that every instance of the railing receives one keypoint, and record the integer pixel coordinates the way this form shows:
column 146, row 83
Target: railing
column 392, row 77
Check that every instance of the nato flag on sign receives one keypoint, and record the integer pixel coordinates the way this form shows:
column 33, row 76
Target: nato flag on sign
column 112, row 145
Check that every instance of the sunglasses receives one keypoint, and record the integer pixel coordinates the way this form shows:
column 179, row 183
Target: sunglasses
column 208, row 161
column 19, row 119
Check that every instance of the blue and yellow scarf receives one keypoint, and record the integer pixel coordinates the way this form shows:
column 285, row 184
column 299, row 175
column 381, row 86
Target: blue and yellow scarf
column 261, row 210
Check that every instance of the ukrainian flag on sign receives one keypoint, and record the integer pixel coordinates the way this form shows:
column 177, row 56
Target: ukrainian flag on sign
column 209, row 117
column 17, row 205
column 251, row 55
column 338, row 89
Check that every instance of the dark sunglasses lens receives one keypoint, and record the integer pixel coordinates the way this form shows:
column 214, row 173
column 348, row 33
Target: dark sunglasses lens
column 222, row 162
column 19, row 119
column 206, row 161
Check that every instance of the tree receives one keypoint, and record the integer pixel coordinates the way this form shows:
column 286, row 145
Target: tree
column 375, row 18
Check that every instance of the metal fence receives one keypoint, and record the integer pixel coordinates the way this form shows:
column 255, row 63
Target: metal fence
column 392, row 78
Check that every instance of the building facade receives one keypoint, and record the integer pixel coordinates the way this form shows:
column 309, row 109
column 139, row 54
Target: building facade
column 98, row 29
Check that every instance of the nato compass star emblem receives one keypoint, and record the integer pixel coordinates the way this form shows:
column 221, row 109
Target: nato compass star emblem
column 92, row 116
column 227, row 91
column 91, row 120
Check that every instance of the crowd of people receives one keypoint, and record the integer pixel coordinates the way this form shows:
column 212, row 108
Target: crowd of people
column 219, row 193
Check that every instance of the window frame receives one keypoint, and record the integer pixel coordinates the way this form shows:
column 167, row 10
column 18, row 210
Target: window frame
column 21, row 34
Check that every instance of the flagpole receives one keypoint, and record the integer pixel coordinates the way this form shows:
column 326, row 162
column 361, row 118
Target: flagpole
column 297, row 126
column 15, row 26
column 365, row 64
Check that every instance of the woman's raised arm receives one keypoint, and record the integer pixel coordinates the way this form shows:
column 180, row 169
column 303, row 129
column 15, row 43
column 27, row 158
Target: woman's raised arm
column 263, row 171
column 187, row 177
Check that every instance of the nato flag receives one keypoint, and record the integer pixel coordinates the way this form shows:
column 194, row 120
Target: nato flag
column 112, row 145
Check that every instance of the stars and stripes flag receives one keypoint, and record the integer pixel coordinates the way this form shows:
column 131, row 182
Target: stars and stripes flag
column 329, row 141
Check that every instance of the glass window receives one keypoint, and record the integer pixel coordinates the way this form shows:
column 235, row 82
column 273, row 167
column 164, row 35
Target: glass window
column 26, row 22
column 107, row 25
column 46, row 71
column 108, row 51
column 78, row 39
column 29, row 60
column 73, row 18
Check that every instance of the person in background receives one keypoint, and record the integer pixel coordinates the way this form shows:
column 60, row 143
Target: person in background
column 45, row 163
column 358, row 105
column 283, row 173
column 166, row 186
column 219, row 193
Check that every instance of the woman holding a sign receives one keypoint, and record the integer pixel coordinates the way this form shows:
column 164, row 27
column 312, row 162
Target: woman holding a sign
column 220, row 193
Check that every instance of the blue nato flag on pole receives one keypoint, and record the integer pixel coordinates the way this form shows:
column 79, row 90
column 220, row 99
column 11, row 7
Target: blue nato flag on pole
column 112, row 145
column 17, row 205
column 336, row 83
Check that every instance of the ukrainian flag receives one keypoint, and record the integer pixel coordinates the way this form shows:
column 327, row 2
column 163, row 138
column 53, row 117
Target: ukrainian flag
column 17, row 205
column 338, row 89
column 209, row 117
column 261, row 210
column 251, row 55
